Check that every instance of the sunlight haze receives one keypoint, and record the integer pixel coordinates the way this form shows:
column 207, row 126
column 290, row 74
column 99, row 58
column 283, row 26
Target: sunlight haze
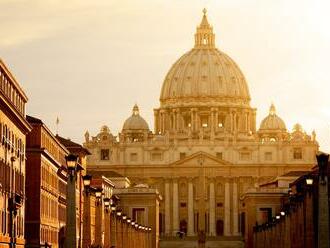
column 89, row 62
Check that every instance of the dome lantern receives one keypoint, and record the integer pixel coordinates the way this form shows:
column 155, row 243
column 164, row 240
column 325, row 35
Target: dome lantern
column 204, row 37
column 272, row 110
column 136, row 110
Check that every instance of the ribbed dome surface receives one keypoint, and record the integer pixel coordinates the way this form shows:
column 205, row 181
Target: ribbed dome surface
column 272, row 121
column 205, row 75
column 135, row 122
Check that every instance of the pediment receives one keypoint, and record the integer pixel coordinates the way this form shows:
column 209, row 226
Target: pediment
column 200, row 158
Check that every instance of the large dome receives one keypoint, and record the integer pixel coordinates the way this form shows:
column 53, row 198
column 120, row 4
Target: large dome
column 205, row 75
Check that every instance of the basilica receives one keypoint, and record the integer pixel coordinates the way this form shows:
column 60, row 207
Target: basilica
column 206, row 149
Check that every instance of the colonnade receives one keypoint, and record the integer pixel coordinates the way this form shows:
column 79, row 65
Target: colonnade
column 231, row 120
column 231, row 208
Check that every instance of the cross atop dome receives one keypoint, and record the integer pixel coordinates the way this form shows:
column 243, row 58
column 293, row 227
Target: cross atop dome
column 204, row 37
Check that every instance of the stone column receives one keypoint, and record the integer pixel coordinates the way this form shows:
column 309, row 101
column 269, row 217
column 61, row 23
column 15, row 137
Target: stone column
column 178, row 119
column 190, row 231
column 249, row 121
column 161, row 121
column 113, row 229
column 227, row 231
column 167, row 209
column 192, row 118
column 174, row 120
column 156, row 121
column 231, row 128
column 234, row 122
column 98, row 222
column 175, row 206
column 87, row 221
column 245, row 121
column 253, row 121
column 212, row 209
column 107, row 241
column 71, row 226
column 235, row 209
column 216, row 121
column 212, row 121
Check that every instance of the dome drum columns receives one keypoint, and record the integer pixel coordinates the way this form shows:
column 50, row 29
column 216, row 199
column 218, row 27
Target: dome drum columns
column 210, row 121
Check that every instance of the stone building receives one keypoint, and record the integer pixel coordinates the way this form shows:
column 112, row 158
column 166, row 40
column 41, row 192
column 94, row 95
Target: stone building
column 13, row 130
column 206, row 149
column 45, row 187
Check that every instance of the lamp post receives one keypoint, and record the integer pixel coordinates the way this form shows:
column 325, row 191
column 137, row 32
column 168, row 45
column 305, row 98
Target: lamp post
column 113, row 238
column 87, row 209
column 71, row 228
column 323, row 202
column 119, row 228
column 124, row 230
column 98, row 217
column 106, row 222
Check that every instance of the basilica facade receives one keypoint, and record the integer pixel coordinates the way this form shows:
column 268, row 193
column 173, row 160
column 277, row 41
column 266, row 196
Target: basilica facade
column 206, row 148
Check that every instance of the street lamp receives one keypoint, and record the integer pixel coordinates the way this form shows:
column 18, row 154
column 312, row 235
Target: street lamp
column 282, row 213
column 106, row 204
column 71, row 229
column 87, row 181
column 71, row 162
column 98, row 195
column 309, row 180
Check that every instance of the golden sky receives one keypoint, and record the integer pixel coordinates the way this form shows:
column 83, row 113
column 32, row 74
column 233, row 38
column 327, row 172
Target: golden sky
column 89, row 61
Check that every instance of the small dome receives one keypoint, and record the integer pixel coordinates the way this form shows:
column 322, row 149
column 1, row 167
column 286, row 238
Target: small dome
column 272, row 121
column 297, row 128
column 105, row 129
column 135, row 122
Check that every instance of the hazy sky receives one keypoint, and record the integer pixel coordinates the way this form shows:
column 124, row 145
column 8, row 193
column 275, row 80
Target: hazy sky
column 88, row 62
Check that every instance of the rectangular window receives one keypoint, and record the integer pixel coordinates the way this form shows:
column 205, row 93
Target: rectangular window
column 182, row 155
column 219, row 155
column 264, row 215
column 105, row 154
column 134, row 156
column 297, row 153
column 156, row 156
column 138, row 215
column 245, row 156
column 268, row 156
column 183, row 204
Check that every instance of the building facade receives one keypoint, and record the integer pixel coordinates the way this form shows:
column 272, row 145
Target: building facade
column 45, row 187
column 206, row 149
column 13, row 130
